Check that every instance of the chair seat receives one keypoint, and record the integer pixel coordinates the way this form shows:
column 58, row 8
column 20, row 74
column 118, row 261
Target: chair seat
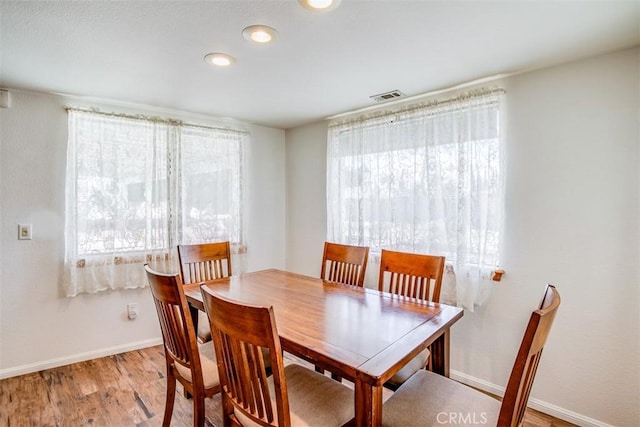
column 314, row 400
column 209, row 365
column 429, row 399
column 414, row 365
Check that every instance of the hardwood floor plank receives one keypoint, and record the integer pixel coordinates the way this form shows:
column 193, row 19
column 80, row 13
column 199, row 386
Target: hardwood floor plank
column 127, row 389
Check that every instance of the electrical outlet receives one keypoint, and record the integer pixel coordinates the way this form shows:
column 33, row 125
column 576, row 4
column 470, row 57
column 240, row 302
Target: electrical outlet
column 132, row 310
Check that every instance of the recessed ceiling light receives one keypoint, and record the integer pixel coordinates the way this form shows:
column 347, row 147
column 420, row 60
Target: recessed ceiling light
column 320, row 5
column 261, row 34
column 219, row 59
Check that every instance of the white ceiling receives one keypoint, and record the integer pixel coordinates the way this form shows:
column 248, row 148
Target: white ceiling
column 151, row 53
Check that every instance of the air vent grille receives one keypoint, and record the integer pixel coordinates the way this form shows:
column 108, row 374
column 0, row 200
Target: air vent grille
column 387, row 96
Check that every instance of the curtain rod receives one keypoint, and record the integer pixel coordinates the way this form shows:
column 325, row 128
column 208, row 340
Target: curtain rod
column 478, row 93
column 154, row 119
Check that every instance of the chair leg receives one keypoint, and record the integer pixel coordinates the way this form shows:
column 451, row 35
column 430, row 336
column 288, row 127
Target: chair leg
column 198, row 410
column 171, row 396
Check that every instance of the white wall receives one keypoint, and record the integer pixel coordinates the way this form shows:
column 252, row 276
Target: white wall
column 572, row 219
column 38, row 326
column 306, row 197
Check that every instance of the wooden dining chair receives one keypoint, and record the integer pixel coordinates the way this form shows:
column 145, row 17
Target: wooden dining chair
column 293, row 395
column 193, row 365
column 344, row 263
column 426, row 396
column 202, row 262
column 416, row 276
column 205, row 261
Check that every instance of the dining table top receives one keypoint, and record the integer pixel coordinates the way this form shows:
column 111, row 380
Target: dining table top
column 357, row 331
column 361, row 334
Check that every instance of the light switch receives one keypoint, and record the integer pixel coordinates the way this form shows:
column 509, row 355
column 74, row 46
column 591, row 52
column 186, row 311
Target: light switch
column 24, row 231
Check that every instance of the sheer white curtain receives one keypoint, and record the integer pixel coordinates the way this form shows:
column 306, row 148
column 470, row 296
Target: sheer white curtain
column 211, row 190
column 136, row 187
column 424, row 179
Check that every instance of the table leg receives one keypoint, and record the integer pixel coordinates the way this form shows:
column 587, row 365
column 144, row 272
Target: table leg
column 440, row 354
column 368, row 404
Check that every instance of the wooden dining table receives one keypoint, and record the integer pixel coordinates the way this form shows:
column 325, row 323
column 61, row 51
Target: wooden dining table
column 360, row 334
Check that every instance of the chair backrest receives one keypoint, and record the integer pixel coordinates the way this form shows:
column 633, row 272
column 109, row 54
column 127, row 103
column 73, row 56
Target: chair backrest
column 344, row 263
column 411, row 274
column 175, row 321
column 207, row 261
column 240, row 332
column 524, row 369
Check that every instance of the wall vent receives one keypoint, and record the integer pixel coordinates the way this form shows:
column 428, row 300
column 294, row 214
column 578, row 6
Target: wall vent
column 387, row 96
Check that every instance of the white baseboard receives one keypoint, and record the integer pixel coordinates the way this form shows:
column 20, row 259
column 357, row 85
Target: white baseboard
column 61, row 361
column 537, row 404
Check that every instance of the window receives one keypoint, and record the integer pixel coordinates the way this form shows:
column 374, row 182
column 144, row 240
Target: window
column 424, row 179
column 137, row 187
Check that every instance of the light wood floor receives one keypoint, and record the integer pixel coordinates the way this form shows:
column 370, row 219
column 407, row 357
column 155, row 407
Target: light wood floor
column 123, row 390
